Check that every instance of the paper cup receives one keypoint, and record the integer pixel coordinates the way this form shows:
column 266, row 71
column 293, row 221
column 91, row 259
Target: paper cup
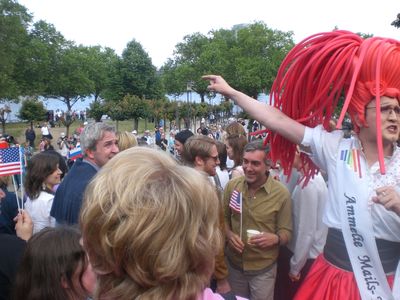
column 250, row 233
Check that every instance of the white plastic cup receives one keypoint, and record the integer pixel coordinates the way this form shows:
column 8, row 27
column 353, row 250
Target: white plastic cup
column 250, row 233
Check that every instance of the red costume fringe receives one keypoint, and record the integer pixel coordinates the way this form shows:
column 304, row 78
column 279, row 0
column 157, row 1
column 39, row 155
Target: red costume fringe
column 322, row 69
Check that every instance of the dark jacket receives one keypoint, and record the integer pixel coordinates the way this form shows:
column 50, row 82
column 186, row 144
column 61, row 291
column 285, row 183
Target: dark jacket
column 68, row 199
column 8, row 211
column 30, row 134
column 11, row 250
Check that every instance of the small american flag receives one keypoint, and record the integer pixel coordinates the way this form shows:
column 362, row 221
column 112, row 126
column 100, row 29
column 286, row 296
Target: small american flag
column 10, row 162
column 235, row 203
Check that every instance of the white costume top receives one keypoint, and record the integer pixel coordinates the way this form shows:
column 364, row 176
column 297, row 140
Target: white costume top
column 39, row 210
column 223, row 176
column 324, row 151
column 309, row 232
column 45, row 130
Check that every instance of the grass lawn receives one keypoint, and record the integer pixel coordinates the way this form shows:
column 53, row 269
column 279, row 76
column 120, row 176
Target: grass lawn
column 17, row 130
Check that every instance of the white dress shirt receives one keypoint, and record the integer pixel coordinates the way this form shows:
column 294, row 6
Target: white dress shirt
column 309, row 232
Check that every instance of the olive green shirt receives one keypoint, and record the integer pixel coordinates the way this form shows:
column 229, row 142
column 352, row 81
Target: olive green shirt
column 268, row 211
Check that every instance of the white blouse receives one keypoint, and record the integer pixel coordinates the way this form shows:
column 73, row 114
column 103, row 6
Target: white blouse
column 324, row 151
column 39, row 210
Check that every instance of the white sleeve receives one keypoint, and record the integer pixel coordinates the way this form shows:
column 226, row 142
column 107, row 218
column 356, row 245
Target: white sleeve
column 321, row 146
column 307, row 215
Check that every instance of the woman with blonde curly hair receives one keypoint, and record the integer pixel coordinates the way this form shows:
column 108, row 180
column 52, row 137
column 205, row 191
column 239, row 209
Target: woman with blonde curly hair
column 150, row 228
column 126, row 140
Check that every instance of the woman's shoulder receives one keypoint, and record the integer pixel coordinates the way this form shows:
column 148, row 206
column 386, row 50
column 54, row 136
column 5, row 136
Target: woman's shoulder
column 45, row 196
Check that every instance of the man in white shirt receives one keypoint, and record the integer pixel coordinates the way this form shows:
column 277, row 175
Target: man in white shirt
column 309, row 232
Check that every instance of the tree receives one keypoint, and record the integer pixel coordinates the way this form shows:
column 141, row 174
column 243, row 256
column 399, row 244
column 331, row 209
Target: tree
column 171, row 111
column 70, row 81
column 97, row 110
column 41, row 55
column 172, row 79
column 114, row 90
column 32, row 110
column 184, row 72
column 14, row 20
column 255, row 56
column 138, row 74
column 396, row 23
column 137, row 108
column 158, row 110
column 248, row 56
column 101, row 63
column 226, row 108
column 117, row 111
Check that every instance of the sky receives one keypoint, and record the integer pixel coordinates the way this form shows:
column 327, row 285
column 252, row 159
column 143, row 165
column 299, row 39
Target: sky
column 158, row 25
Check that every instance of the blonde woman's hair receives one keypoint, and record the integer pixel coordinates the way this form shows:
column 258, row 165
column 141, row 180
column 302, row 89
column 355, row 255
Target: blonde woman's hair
column 150, row 227
column 126, row 140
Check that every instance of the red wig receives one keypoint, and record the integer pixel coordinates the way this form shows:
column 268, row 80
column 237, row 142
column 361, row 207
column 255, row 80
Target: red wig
column 321, row 69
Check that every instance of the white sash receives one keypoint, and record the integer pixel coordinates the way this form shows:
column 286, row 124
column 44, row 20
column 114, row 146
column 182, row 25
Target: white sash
column 357, row 226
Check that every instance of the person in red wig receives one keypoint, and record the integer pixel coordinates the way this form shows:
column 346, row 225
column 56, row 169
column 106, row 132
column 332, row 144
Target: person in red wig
column 323, row 72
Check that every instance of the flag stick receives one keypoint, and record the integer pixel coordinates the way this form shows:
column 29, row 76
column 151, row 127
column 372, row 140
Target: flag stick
column 21, row 155
column 241, row 214
column 16, row 193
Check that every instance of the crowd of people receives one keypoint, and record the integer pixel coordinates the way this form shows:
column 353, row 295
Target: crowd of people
column 299, row 210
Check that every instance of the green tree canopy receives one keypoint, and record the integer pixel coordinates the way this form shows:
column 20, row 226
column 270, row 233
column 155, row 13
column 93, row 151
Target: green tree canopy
column 101, row 63
column 14, row 20
column 70, row 77
column 32, row 110
column 248, row 56
column 138, row 74
column 97, row 110
column 41, row 54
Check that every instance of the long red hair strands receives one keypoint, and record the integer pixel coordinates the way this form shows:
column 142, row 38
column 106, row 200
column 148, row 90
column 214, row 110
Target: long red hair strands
column 322, row 68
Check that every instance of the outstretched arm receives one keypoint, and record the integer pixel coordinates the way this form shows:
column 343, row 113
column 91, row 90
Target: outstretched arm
column 269, row 116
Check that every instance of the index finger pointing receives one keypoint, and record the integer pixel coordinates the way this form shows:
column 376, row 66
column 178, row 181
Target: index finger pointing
column 209, row 77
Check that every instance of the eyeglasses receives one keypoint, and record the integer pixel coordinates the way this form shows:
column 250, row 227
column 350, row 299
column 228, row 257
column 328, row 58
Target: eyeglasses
column 388, row 109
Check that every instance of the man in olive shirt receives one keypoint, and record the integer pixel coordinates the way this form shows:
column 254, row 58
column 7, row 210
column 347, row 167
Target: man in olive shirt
column 259, row 202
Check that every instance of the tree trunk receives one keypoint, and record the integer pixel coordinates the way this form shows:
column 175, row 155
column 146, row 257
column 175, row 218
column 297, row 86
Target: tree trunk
column 3, row 125
column 67, row 125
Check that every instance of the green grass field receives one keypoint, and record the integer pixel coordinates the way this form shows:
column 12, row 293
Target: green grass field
column 17, row 130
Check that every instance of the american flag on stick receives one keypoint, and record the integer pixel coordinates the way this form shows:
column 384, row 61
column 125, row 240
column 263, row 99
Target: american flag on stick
column 10, row 161
column 235, row 202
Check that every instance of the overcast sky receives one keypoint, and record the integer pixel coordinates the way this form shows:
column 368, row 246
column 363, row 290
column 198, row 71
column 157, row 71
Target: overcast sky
column 158, row 25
